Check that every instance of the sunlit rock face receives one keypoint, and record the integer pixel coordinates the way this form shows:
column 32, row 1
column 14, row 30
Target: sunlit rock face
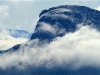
column 57, row 21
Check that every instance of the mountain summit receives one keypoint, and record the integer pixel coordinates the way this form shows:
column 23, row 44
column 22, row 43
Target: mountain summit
column 65, row 42
column 57, row 21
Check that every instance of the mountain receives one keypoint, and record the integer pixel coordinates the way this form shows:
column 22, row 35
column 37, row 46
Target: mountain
column 13, row 37
column 64, row 42
column 15, row 33
column 19, row 33
column 63, row 19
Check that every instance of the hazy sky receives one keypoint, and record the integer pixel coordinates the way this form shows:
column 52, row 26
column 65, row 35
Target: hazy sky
column 23, row 14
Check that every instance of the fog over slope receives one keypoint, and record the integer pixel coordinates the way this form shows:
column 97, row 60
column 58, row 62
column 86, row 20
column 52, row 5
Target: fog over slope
column 66, row 41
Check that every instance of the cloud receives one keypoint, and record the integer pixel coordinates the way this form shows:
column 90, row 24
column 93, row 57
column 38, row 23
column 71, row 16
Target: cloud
column 4, row 14
column 78, row 49
column 50, row 28
column 47, row 27
column 7, row 41
column 98, row 8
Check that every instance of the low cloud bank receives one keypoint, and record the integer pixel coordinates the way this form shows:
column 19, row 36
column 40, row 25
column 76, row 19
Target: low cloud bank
column 78, row 49
column 7, row 40
column 9, row 43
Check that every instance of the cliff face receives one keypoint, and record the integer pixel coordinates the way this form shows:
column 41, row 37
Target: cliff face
column 58, row 21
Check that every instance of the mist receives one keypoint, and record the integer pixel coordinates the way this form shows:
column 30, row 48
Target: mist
column 74, row 50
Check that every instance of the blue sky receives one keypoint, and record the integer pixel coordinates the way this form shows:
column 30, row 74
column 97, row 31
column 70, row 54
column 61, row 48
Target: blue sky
column 23, row 14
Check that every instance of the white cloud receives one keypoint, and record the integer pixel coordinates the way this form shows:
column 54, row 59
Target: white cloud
column 46, row 27
column 51, row 28
column 78, row 49
column 4, row 14
column 98, row 8
column 7, row 41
